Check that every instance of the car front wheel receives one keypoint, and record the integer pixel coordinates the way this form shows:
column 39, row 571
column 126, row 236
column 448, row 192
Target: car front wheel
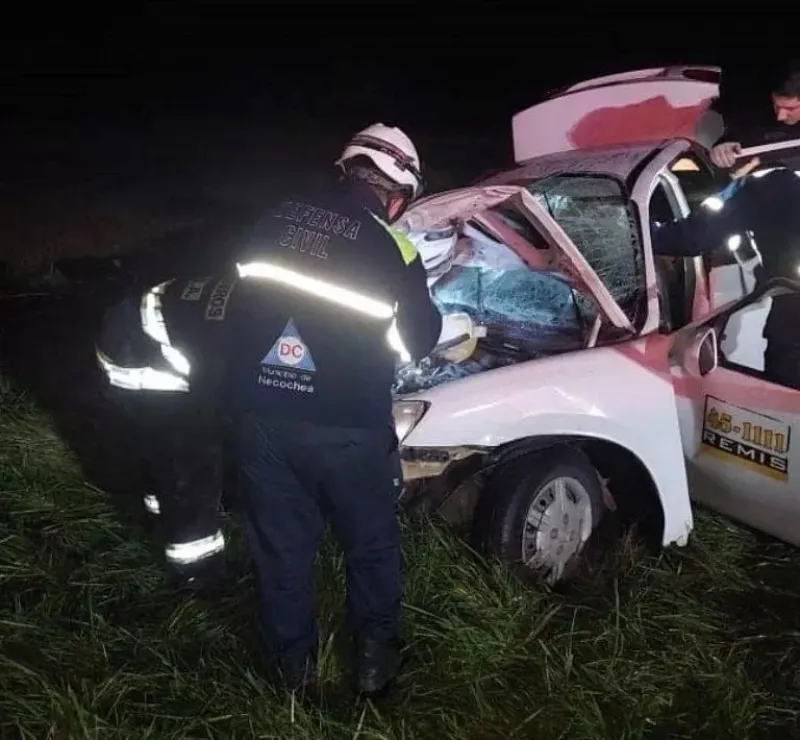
column 540, row 511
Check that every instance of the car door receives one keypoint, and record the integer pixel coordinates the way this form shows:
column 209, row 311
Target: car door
column 731, row 268
column 738, row 429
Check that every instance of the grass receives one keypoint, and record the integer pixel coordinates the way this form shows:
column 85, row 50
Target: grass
column 698, row 643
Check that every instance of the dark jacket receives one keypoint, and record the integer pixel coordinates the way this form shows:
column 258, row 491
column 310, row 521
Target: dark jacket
column 283, row 349
column 751, row 122
column 769, row 206
column 704, row 230
column 292, row 353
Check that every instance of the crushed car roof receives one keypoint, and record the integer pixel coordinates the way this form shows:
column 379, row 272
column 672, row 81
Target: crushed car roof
column 462, row 204
column 619, row 160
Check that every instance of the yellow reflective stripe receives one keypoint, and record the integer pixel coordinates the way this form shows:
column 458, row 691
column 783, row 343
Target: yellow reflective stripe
column 153, row 324
column 194, row 550
column 407, row 250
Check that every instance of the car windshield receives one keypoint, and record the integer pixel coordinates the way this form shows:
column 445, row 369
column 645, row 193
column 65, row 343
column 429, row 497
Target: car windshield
column 526, row 311
column 598, row 217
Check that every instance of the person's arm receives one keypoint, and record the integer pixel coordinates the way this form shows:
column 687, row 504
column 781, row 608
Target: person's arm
column 699, row 233
column 419, row 322
column 743, row 129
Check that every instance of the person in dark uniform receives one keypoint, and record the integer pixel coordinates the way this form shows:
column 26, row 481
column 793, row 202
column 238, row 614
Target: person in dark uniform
column 324, row 279
column 766, row 204
column 770, row 208
column 742, row 127
column 169, row 399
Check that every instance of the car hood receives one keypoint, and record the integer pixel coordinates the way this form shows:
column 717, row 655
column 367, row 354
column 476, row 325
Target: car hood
column 527, row 306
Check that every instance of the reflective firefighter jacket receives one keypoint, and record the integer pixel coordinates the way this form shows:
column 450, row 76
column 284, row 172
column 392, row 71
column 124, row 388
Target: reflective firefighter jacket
column 300, row 329
column 324, row 281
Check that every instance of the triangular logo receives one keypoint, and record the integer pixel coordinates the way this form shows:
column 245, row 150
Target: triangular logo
column 290, row 351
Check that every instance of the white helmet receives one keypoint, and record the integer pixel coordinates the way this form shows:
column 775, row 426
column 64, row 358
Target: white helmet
column 391, row 151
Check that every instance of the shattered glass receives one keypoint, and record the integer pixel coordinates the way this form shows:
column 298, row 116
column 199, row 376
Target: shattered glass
column 506, row 297
column 527, row 314
column 530, row 313
column 595, row 213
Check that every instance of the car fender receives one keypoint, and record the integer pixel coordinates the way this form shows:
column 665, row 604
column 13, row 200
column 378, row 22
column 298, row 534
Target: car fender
column 614, row 394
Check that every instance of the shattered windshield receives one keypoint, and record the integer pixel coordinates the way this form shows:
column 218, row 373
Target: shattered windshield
column 526, row 312
column 596, row 214
column 488, row 280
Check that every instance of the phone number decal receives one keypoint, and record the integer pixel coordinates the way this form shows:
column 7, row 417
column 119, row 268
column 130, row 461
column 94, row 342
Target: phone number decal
column 752, row 440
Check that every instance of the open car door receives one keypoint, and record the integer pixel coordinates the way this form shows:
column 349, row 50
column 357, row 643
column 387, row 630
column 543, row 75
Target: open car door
column 738, row 429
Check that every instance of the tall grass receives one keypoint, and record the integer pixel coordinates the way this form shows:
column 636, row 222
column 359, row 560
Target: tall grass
column 699, row 643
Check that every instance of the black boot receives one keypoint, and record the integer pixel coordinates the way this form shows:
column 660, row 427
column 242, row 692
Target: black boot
column 377, row 665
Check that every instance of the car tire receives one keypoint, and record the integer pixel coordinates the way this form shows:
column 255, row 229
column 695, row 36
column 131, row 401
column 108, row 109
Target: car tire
column 557, row 490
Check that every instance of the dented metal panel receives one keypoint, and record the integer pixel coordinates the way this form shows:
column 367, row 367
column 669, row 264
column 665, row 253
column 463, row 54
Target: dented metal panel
column 618, row 161
column 634, row 107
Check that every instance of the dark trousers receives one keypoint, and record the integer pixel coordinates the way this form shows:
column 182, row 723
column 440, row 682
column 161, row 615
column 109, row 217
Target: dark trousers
column 296, row 475
column 186, row 466
column 179, row 444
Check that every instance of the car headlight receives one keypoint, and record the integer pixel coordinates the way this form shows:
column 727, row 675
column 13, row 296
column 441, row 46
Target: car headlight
column 407, row 414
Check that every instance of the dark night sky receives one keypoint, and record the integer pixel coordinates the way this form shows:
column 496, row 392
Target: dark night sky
column 107, row 116
column 172, row 86
column 472, row 69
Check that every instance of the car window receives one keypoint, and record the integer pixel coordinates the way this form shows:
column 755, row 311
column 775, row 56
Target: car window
column 509, row 296
column 597, row 215
column 660, row 208
column 670, row 271
column 742, row 343
column 527, row 313
column 695, row 178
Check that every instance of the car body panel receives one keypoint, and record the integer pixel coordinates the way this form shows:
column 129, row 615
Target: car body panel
column 745, row 464
column 641, row 192
column 618, row 161
column 642, row 106
column 603, row 393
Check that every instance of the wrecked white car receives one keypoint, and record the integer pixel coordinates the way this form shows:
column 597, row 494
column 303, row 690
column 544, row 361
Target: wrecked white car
column 590, row 369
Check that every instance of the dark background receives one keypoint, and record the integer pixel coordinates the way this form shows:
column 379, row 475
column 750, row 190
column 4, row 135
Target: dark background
column 120, row 126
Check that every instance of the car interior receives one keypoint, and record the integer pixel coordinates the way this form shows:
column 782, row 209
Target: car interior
column 676, row 277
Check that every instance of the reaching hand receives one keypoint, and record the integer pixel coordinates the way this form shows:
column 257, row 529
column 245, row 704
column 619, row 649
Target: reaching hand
column 724, row 155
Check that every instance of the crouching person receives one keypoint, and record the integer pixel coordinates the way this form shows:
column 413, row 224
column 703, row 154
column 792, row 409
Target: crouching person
column 148, row 352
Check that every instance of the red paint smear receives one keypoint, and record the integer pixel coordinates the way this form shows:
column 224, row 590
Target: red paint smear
column 651, row 354
column 650, row 120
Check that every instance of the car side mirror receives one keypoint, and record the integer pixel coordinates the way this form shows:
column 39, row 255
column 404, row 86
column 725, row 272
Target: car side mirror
column 702, row 354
